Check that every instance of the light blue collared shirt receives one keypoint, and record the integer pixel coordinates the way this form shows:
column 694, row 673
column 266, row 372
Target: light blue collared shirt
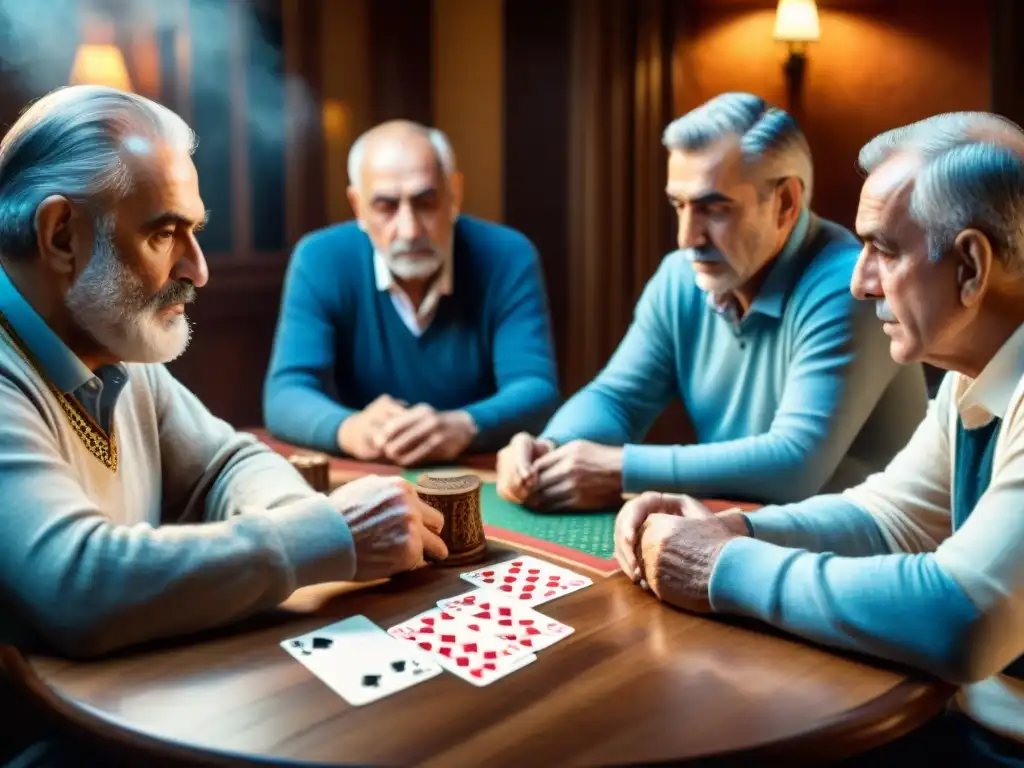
column 96, row 391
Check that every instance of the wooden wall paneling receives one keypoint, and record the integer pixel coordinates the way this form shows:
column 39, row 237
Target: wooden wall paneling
column 468, row 96
column 655, row 230
column 1007, row 78
column 266, row 99
column 238, row 127
column 233, row 323
column 401, row 46
column 600, row 181
column 619, row 224
column 174, row 44
column 305, row 206
column 536, row 145
column 347, row 95
column 210, row 97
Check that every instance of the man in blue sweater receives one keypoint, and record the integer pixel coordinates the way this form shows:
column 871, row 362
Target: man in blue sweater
column 787, row 381
column 412, row 334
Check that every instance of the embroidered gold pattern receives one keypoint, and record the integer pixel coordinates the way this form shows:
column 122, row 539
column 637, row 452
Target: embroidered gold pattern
column 100, row 445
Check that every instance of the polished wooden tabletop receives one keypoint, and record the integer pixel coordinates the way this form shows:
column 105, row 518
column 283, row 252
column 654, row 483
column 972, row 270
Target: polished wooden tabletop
column 637, row 682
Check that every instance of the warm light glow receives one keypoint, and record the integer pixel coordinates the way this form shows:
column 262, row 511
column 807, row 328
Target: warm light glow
column 796, row 21
column 100, row 65
column 334, row 117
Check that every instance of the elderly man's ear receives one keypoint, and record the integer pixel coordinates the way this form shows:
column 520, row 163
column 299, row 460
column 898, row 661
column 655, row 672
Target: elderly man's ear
column 60, row 232
column 974, row 254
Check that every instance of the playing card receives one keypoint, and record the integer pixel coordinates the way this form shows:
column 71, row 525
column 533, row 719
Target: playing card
column 485, row 610
column 477, row 658
column 359, row 661
column 528, row 580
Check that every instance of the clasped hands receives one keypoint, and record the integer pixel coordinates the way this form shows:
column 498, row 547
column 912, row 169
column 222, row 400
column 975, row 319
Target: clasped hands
column 577, row 475
column 406, row 435
column 671, row 543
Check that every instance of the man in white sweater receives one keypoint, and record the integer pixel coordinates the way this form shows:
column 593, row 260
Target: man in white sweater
column 128, row 511
column 922, row 563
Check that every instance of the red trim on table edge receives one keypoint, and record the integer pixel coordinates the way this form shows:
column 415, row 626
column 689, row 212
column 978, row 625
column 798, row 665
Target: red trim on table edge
column 599, row 565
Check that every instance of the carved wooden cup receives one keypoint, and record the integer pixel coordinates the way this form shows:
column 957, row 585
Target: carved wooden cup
column 314, row 469
column 456, row 495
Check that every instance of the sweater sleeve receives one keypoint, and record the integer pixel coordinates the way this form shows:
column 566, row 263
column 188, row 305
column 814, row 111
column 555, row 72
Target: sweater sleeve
column 952, row 604
column 840, row 367
column 523, row 355
column 905, row 608
column 88, row 585
column 296, row 404
column 638, row 382
column 828, row 523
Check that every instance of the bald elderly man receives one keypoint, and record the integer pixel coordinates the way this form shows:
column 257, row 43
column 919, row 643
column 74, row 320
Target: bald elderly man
column 412, row 334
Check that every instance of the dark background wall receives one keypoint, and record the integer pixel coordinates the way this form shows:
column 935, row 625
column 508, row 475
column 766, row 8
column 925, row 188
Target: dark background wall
column 555, row 108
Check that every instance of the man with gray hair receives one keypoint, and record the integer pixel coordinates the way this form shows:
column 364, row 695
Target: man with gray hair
column 922, row 563
column 412, row 334
column 129, row 511
column 751, row 325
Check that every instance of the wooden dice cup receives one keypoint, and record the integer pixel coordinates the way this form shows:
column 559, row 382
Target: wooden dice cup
column 456, row 495
column 314, row 468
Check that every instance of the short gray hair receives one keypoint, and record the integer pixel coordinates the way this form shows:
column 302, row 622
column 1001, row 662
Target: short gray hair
column 972, row 177
column 769, row 137
column 438, row 140
column 69, row 143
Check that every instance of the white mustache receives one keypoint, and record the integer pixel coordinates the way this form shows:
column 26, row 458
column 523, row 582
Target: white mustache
column 883, row 312
column 406, row 247
column 710, row 255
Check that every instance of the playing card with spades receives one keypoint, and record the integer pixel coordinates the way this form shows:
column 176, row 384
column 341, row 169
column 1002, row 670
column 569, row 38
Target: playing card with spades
column 485, row 610
column 359, row 661
column 477, row 658
column 528, row 580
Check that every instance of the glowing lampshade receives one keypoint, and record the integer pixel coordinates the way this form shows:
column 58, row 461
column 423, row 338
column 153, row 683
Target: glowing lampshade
column 334, row 117
column 796, row 21
column 100, row 64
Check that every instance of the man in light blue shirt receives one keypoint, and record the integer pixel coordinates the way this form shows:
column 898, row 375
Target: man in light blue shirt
column 787, row 381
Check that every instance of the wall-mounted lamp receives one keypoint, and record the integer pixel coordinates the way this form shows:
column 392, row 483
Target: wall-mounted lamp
column 98, row 60
column 100, row 65
column 796, row 23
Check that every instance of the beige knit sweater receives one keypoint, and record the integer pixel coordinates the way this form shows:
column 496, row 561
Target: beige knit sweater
column 200, row 525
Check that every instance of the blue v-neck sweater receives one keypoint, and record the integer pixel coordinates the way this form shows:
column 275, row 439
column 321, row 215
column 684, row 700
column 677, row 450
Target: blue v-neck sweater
column 340, row 342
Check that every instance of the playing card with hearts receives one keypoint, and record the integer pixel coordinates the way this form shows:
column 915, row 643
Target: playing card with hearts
column 528, row 580
column 485, row 610
column 359, row 661
column 477, row 658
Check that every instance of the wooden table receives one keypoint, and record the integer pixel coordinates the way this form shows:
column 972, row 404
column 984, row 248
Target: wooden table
column 636, row 683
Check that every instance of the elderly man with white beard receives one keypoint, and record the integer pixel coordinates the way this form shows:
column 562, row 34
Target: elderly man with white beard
column 130, row 512
column 414, row 333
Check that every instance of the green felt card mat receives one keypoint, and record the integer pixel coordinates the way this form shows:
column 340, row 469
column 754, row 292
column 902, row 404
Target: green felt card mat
column 588, row 532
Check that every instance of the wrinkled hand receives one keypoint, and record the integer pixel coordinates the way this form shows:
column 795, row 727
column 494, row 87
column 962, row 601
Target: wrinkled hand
column 359, row 434
column 677, row 552
column 393, row 530
column 635, row 512
column 577, row 475
column 422, row 434
column 516, row 473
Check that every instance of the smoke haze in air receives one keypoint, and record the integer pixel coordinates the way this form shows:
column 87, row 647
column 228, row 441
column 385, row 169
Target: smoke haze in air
column 38, row 39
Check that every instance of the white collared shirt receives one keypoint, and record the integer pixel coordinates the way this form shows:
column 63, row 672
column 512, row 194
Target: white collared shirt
column 416, row 319
column 912, row 499
column 980, row 400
